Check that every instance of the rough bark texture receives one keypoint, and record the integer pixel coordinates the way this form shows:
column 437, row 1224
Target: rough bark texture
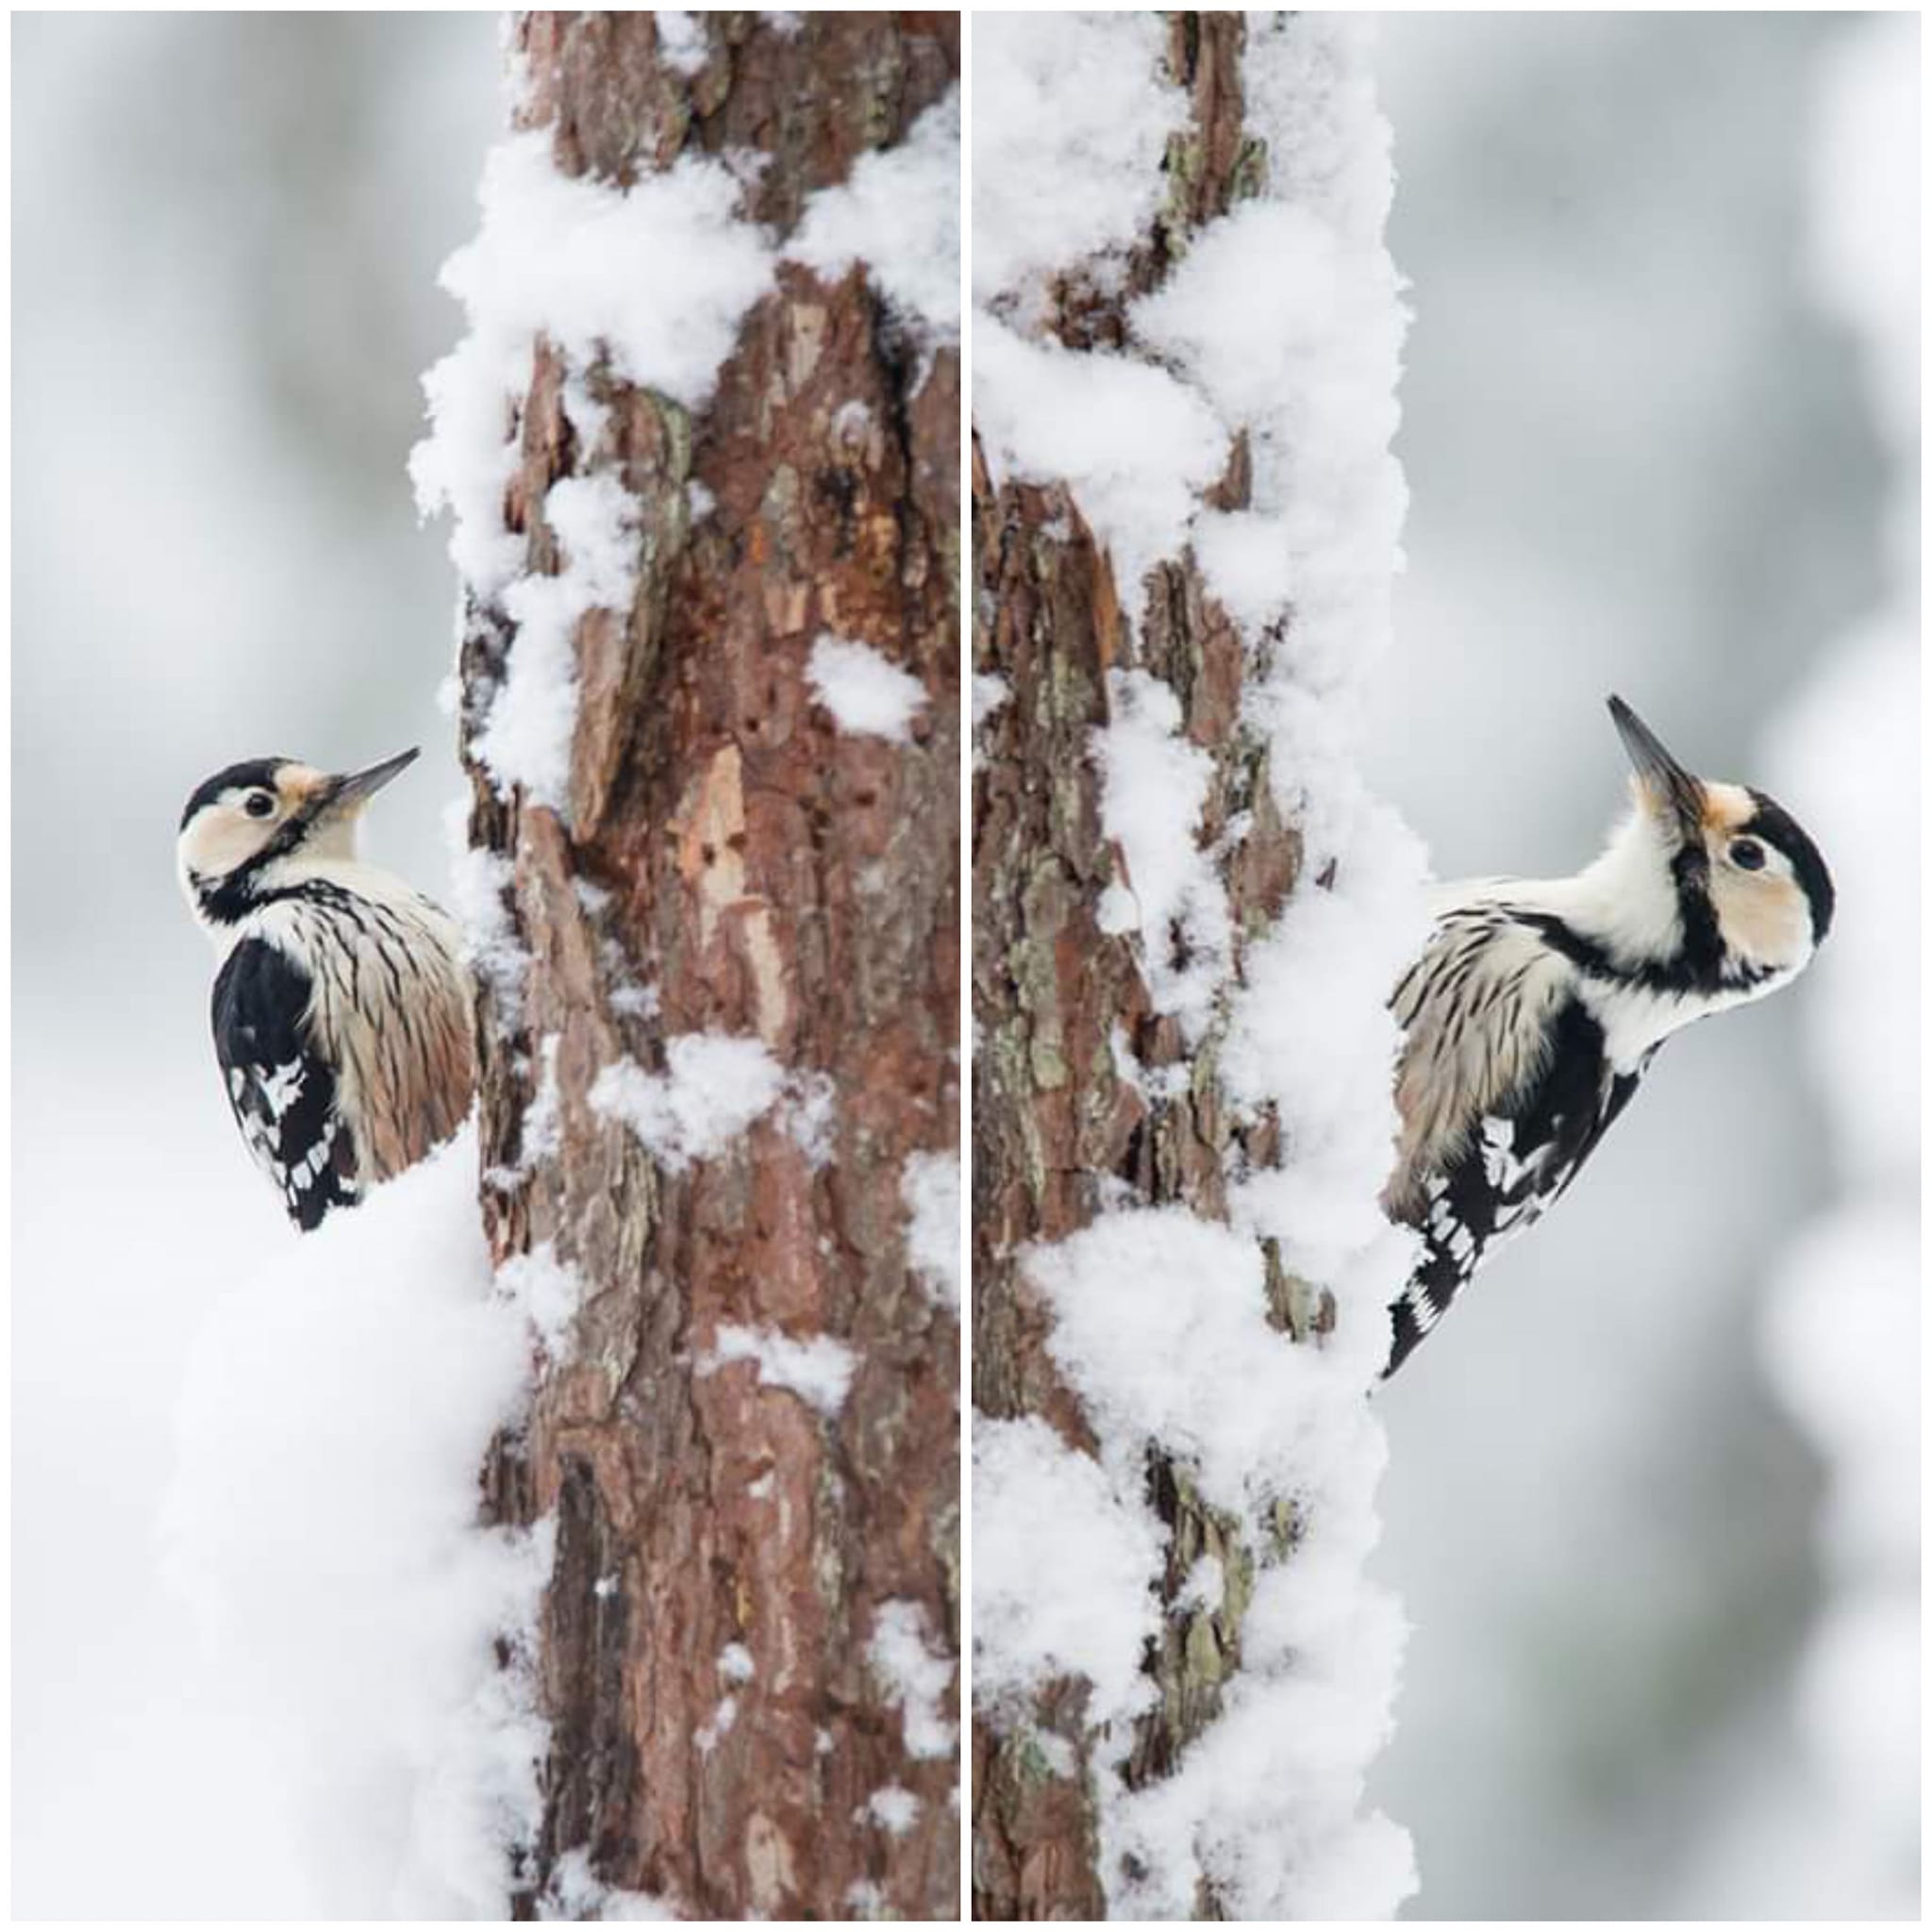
column 728, row 848
column 1055, row 1127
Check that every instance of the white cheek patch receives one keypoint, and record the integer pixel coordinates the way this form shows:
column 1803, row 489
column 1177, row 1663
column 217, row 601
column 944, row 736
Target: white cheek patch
column 222, row 838
column 1764, row 916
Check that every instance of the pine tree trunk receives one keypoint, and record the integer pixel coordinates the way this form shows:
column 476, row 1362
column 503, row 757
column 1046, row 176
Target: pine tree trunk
column 1057, row 1131
column 730, row 862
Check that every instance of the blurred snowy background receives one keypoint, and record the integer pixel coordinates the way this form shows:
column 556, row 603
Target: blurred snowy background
column 226, row 230
column 1653, row 1505
column 1653, row 1502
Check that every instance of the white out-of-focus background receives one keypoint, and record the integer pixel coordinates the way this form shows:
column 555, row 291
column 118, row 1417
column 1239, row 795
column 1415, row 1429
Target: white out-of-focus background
column 226, row 230
column 1653, row 1502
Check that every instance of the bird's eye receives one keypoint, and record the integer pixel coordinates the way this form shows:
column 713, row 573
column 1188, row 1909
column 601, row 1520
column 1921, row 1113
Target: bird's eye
column 1747, row 855
column 259, row 805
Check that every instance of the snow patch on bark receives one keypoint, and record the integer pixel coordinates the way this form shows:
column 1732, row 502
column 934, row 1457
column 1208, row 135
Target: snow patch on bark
column 526, row 739
column 1064, row 1558
column 583, row 265
column 1160, row 1324
column 818, row 1369
column 867, row 693
column 1135, row 446
column 893, row 1809
column 929, row 1187
column 480, row 888
column 548, row 1290
column 898, row 212
column 1071, row 115
column 1153, row 786
column 714, row 1086
column 915, row 1674
column 542, row 1131
column 576, row 1894
column 681, row 40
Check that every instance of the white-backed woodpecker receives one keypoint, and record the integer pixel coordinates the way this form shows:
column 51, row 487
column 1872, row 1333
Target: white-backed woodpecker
column 342, row 1013
column 1538, row 1004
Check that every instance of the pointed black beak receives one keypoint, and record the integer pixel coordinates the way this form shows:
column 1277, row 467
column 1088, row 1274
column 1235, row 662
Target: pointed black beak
column 349, row 793
column 1669, row 785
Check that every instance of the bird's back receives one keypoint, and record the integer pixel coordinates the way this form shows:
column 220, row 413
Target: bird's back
column 388, row 1009
column 1504, row 1090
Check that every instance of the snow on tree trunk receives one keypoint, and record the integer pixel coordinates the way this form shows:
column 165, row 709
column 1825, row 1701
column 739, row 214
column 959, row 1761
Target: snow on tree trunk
column 702, row 447
column 1187, row 919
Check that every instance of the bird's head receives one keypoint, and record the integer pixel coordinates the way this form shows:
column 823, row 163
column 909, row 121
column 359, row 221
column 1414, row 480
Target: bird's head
column 256, row 826
column 1717, row 882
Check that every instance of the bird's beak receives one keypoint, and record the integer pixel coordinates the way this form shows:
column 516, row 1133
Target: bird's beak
column 1667, row 790
column 350, row 793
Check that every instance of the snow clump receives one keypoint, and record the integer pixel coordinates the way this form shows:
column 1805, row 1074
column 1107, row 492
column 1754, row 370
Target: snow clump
column 866, row 692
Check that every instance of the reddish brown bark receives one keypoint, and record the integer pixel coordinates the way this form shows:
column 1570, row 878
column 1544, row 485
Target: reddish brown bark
column 1058, row 1130
column 767, row 875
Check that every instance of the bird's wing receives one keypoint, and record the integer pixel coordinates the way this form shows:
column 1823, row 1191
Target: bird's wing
column 1476, row 1011
column 1520, row 1157
column 283, row 1091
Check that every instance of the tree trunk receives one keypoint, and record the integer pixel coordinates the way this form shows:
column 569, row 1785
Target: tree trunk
column 748, row 1640
column 1060, row 1133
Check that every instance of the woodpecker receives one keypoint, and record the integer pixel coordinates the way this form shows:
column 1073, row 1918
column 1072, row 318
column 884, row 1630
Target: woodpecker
column 1537, row 1004
column 342, row 1013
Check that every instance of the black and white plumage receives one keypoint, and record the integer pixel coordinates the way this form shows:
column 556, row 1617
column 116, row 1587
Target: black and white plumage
column 341, row 1011
column 1538, row 1005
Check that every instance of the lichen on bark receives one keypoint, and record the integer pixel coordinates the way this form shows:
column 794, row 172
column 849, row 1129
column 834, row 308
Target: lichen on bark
column 1060, row 1133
